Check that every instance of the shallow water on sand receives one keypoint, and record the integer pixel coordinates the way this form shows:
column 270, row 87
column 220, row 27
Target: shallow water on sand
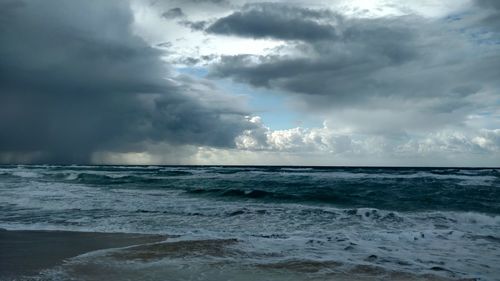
column 275, row 223
column 211, row 260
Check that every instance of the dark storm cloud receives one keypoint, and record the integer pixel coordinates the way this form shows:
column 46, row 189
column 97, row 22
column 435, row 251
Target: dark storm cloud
column 193, row 61
column 194, row 25
column 491, row 18
column 75, row 80
column 382, row 62
column 343, row 67
column 177, row 13
column 279, row 21
column 173, row 13
column 489, row 4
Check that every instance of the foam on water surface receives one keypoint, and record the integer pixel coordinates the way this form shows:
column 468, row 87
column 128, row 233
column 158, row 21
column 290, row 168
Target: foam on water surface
column 203, row 203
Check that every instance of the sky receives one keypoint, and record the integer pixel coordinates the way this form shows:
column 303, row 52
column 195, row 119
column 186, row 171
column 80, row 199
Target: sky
column 243, row 82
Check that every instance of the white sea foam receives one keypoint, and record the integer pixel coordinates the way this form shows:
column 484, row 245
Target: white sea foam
column 25, row 174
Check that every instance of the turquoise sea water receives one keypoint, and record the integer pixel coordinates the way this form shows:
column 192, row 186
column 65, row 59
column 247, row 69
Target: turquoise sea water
column 416, row 220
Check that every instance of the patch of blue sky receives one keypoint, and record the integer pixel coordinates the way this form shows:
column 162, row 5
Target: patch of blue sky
column 199, row 72
column 270, row 105
column 481, row 35
column 485, row 36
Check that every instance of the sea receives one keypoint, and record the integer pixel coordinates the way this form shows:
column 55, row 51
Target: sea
column 266, row 223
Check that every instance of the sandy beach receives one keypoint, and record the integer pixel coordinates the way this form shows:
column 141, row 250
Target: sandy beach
column 25, row 253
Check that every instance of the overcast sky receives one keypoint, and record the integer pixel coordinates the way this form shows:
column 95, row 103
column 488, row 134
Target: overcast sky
column 382, row 82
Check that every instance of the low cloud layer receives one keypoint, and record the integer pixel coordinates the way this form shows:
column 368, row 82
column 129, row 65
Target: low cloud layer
column 327, row 140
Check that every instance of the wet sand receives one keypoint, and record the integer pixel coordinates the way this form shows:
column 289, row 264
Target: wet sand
column 25, row 253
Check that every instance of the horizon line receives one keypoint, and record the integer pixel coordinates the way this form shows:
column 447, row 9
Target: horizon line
column 260, row 166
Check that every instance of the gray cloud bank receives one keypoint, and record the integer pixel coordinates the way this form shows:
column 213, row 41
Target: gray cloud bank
column 393, row 76
column 346, row 61
column 75, row 80
column 274, row 20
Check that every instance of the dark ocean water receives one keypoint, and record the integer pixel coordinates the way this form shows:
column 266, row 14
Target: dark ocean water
column 417, row 220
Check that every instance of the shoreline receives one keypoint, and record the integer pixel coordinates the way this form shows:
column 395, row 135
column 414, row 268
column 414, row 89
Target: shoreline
column 25, row 253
